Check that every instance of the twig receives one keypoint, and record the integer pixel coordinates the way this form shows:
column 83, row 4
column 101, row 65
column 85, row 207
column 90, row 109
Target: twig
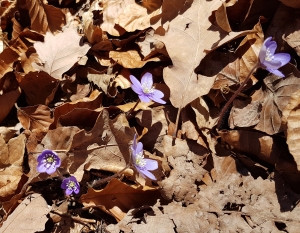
column 236, row 94
column 83, row 221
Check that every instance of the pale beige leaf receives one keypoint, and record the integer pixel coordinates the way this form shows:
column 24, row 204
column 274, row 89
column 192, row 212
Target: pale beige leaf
column 130, row 59
column 59, row 53
column 30, row 216
column 186, row 47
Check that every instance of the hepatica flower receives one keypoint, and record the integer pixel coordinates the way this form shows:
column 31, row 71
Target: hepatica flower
column 271, row 61
column 142, row 165
column 70, row 185
column 48, row 161
column 145, row 89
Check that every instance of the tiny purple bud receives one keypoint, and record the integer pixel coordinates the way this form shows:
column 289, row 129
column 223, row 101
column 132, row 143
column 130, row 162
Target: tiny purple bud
column 70, row 185
column 145, row 89
column 269, row 60
column 48, row 161
column 142, row 165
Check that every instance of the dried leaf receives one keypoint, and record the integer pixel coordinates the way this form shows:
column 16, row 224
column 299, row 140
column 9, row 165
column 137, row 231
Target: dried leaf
column 130, row 59
column 118, row 198
column 30, row 216
column 291, row 119
column 11, row 163
column 39, row 87
column 7, row 101
column 45, row 17
column 291, row 3
column 35, row 117
column 186, row 47
column 275, row 98
column 65, row 52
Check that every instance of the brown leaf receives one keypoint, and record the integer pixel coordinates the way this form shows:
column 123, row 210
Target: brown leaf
column 17, row 28
column 120, row 16
column 275, row 98
column 222, row 19
column 186, row 47
column 291, row 119
column 39, row 87
column 11, row 163
column 63, row 55
column 130, row 59
column 244, row 114
column 30, row 216
column 35, row 117
column 45, row 17
column 291, row 3
column 7, row 58
column 92, row 102
column 118, row 198
column 7, row 101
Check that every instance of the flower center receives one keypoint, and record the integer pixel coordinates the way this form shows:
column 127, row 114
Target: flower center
column 269, row 55
column 147, row 89
column 71, row 185
column 139, row 159
column 50, row 160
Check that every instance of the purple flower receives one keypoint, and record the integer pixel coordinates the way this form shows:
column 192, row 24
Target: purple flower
column 271, row 61
column 142, row 165
column 145, row 89
column 48, row 161
column 70, row 185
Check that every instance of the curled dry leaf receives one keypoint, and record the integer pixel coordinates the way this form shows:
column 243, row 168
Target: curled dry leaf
column 117, row 198
column 63, row 55
column 35, row 117
column 30, row 216
column 120, row 16
column 45, row 17
column 11, row 162
column 92, row 102
column 290, row 117
column 130, row 59
column 7, row 58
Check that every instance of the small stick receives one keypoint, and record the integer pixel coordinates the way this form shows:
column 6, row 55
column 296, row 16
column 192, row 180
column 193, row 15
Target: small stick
column 131, row 110
column 236, row 94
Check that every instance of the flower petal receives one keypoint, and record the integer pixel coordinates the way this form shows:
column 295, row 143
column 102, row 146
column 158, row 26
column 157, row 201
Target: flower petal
column 158, row 94
column 41, row 167
column 134, row 142
column 135, row 81
column 272, row 64
column 144, row 98
column 69, row 191
column 51, row 170
column 76, row 191
column 272, row 46
column 139, row 147
column 138, row 90
column 151, row 164
column 148, row 174
column 276, row 72
column 147, row 79
column 284, row 58
column 158, row 100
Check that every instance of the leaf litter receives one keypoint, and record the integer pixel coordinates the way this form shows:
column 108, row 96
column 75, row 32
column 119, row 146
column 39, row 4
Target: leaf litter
column 66, row 89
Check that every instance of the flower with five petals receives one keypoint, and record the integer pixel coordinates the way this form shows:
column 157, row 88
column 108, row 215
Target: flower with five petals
column 70, row 185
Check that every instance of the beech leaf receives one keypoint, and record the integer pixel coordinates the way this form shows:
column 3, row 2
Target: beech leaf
column 60, row 52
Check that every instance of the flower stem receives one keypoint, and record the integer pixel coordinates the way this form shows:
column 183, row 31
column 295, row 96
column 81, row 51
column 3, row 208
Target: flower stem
column 131, row 110
column 236, row 94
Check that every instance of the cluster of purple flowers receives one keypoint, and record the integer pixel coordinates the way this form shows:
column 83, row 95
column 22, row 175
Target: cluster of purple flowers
column 49, row 161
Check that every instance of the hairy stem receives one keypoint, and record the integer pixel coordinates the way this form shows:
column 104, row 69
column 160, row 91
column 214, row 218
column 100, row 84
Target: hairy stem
column 131, row 110
column 236, row 94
